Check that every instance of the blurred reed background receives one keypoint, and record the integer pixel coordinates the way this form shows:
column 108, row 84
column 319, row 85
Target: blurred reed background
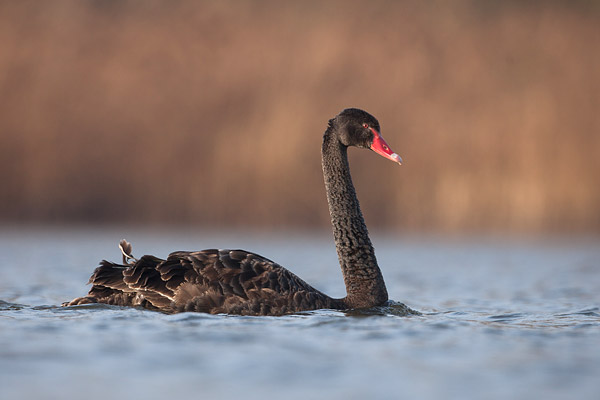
column 212, row 113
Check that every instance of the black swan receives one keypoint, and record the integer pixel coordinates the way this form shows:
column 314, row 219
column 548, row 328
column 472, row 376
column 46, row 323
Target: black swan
column 241, row 282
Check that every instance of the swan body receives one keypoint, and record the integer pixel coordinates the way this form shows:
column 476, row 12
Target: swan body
column 241, row 282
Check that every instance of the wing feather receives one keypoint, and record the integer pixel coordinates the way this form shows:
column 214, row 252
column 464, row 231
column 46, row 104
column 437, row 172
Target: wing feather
column 213, row 281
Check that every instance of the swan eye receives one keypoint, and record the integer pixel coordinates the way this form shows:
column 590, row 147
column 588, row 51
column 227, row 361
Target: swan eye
column 386, row 148
column 366, row 126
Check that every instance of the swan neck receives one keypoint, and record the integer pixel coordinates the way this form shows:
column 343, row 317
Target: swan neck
column 364, row 282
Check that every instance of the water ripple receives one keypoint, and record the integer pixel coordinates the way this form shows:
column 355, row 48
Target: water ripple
column 525, row 333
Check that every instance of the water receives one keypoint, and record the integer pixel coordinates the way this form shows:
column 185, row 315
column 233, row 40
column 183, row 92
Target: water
column 500, row 319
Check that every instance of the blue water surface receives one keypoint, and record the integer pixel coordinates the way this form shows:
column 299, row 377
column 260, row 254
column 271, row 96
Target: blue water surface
column 500, row 318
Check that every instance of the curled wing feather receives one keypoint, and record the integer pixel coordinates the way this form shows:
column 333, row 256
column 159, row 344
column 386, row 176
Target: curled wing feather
column 213, row 281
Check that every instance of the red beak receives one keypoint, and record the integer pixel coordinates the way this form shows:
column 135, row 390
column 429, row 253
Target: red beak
column 380, row 147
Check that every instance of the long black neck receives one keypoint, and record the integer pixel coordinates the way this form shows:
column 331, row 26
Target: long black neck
column 364, row 283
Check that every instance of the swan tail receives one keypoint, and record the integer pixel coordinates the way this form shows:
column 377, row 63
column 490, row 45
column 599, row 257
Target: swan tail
column 109, row 286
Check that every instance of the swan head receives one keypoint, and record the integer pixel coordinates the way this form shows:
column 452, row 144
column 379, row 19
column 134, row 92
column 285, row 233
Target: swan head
column 360, row 129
